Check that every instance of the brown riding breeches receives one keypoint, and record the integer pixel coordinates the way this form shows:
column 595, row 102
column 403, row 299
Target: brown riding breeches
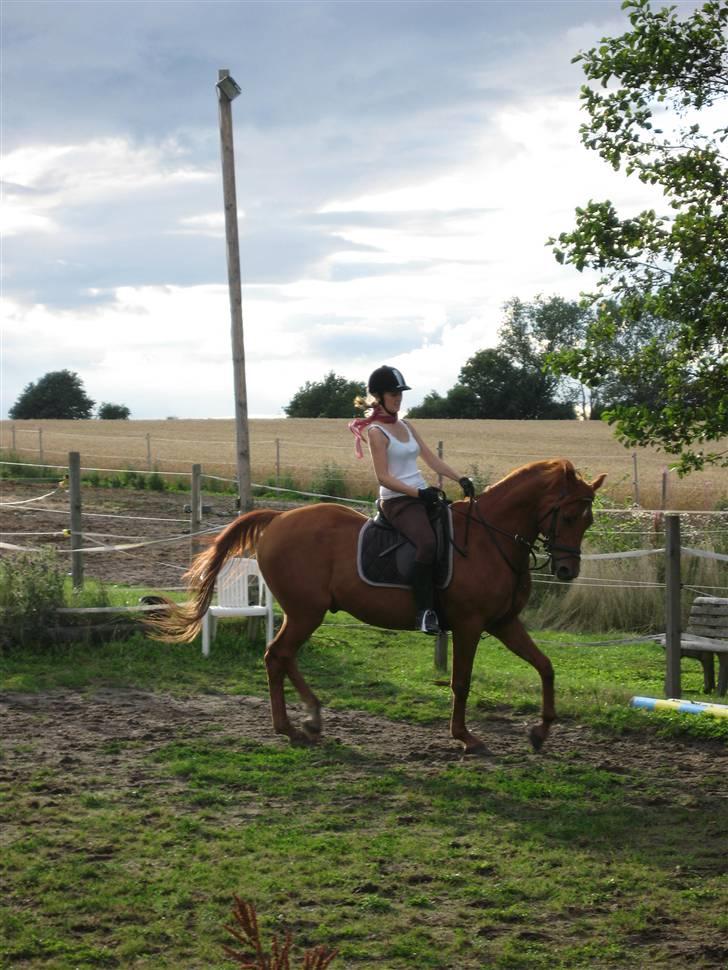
column 409, row 516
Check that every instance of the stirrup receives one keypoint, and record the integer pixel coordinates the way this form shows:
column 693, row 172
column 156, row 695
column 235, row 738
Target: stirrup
column 427, row 622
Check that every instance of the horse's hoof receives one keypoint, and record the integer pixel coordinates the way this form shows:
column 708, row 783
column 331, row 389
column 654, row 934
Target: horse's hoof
column 299, row 739
column 312, row 725
column 536, row 737
column 475, row 747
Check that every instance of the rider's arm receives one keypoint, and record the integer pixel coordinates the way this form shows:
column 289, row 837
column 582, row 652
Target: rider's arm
column 378, row 448
column 432, row 460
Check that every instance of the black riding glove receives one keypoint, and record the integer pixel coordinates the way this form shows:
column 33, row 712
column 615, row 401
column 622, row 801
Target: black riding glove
column 430, row 496
column 467, row 486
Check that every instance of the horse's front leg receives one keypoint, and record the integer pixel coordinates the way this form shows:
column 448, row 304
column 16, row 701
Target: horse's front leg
column 464, row 645
column 515, row 636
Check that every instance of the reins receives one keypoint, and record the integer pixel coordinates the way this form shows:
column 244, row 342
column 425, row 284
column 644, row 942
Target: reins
column 544, row 542
column 493, row 529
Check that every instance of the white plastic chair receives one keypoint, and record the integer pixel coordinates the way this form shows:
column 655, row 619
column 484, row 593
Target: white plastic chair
column 234, row 598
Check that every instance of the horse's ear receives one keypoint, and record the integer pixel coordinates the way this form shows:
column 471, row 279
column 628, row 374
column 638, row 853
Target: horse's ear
column 598, row 482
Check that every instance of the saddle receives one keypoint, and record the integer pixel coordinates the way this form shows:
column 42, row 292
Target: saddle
column 384, row 557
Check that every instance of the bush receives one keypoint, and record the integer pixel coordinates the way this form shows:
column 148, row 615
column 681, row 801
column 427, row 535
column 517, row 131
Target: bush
column 329, row 481
column 31, row 590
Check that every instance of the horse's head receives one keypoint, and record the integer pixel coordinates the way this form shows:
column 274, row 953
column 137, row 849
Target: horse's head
column 565, row 515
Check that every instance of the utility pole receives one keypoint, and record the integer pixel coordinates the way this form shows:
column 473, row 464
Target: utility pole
column 227, row 91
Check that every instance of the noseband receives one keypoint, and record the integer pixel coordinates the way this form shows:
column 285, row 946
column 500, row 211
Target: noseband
column 549, row 544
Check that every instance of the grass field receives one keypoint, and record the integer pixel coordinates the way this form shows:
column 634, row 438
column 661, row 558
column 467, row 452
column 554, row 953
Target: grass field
column 306, row 452
column 141, row 788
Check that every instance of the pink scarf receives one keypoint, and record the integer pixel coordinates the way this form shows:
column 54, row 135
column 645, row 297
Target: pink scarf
column 378, row 415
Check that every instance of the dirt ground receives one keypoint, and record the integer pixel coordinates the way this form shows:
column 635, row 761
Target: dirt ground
column 73, row 729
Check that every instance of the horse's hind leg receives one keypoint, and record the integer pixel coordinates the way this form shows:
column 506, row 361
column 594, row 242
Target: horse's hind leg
column 280, row 660
column 464, row 646
column 514, row 635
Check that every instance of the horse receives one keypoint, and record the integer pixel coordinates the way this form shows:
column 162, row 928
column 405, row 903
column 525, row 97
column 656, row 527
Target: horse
column 307, row 557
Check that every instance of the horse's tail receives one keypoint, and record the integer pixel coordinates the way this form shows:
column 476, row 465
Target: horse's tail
column 180, row 624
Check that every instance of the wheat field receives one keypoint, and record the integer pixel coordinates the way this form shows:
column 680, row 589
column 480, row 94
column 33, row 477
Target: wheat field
column 296, row 450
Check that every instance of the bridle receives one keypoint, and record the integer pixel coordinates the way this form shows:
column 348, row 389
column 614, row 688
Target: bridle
column 547, row 540
column 544, row 543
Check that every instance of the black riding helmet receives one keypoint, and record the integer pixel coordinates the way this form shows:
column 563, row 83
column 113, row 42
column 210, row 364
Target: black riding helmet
column 386, row 378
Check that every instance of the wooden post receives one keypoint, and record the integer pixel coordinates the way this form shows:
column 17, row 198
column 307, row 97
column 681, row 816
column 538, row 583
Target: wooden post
column 235, row 293
column 663, row 495
column 439, row 455
column 441, row 651
column 74, row 496
column 278, row 461
column 149, row 451
column 636, row 479
column 196, row 509
column 12, row 433
column 40, row 446
column 672, row 606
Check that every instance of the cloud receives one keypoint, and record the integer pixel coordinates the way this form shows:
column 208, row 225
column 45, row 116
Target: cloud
column 399, row 168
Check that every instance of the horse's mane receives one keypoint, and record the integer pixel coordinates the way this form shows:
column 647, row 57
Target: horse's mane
column 553, row 470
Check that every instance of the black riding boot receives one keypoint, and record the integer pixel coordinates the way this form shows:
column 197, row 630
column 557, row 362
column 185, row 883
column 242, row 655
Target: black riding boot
column 423, row 589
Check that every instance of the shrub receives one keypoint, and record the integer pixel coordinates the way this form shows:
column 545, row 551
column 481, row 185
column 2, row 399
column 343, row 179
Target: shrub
column 31, row 590
column 329, row 480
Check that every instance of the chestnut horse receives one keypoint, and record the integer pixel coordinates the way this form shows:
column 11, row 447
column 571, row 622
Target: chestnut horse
column 308, row 558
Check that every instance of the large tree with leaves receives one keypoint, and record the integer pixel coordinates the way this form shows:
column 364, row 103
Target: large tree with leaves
column 652, row 111
column 512, row 381
column 333, row 397
column 58, row 394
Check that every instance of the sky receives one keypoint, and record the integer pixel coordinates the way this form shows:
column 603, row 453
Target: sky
column 399, row 169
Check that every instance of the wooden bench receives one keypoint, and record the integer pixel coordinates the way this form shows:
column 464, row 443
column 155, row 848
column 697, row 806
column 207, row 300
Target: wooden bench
column 706, row 634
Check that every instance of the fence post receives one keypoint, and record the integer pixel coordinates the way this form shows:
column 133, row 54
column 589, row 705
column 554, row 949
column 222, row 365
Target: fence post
column 439, row 455
column 74, row 495
column 40, row 446
column 196, row 508
column 12, row 432
column 672, row 606
column 441, row 651
column 149, row 451
column 636, row 482
column 278, row 461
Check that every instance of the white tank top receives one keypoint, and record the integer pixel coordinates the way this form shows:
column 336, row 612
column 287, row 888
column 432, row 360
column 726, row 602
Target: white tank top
column 401, row 462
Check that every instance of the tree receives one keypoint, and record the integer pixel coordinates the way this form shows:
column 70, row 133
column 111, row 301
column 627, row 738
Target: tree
column 512, row 380
column 333, row 397
column 58, row 394
column 112, row 412
column 491, row 385
column 672, row 267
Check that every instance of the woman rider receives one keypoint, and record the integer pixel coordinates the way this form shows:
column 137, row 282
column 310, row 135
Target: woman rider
column 404, row 494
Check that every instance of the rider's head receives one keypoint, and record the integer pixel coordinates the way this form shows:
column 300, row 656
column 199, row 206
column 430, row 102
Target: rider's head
column 386, row 378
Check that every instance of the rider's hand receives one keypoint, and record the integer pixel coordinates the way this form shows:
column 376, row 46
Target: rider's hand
column 430, row 496
column 467, row 486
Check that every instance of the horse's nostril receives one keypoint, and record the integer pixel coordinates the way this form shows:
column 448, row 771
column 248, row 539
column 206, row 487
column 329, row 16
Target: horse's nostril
column 564, row 573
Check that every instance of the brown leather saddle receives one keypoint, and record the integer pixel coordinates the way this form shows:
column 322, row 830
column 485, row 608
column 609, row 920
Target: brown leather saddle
column 384, row 557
